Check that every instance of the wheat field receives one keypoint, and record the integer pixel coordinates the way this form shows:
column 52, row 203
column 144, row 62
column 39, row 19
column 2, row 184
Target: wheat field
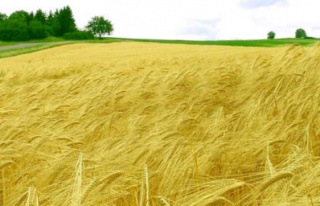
column 146, row 124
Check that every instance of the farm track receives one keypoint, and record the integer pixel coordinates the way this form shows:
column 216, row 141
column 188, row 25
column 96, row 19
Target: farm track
column 19, row 46
column 26, row 45
column 155, row 124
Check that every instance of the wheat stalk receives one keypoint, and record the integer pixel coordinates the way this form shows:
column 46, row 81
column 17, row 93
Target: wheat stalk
column 221, row 200
column 3, row 189
column 32, row 197
column 163, row 201
column 146, row 176
column 109, row 179
column 5, row 164
column 276, row 178
column 89, row 188
column 268, row 162
column 76, row 194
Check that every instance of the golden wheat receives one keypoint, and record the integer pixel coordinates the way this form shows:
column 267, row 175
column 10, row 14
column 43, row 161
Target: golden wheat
column 275, row 178
column 159, row 124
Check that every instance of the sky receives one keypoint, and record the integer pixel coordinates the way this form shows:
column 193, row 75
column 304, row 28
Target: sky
column 189, row 19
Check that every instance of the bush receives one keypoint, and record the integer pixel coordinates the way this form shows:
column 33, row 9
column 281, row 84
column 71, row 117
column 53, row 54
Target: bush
column 310, row 37
column 78, row 35
column 14, row 30
column 37, row 30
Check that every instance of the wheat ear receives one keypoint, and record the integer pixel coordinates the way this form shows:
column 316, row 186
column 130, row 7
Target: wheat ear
column 76, row 194
column 218, row 200
column 3, row 189
column 144, row 191
column 275, row 179
column 163, row 200
column 146, row 176
column 32, row 197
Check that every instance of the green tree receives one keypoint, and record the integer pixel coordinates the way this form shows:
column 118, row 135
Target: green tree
column 14, row 30
column 60, row 22
column 21, row 25
column 51, row 24
column 37, row 30
column 64, row 21
column 3, row 17
column 301, row 34
column 30, row 17
column 271, row 35
column 21, row 16
column 40, row 16
column 100, row 26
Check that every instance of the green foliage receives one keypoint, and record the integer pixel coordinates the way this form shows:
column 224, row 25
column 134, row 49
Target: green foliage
column 52, row 24
column 14, row 30
column 271, row 35
column 301, row 34
column 242, row 43
column 78, row 35
column 37, row 30
column 310, row 37
column 21, row 16
column 3, row 17
column 31, row 17
column 40, row 16
column 100, row 26
column 22, row 25
column 63, row 22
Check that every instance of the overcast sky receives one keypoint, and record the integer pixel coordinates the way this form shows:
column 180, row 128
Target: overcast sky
column 189, row 19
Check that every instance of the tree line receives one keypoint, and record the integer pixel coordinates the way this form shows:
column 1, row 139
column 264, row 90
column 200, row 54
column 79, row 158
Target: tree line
column 22, row 25
column 299, row 34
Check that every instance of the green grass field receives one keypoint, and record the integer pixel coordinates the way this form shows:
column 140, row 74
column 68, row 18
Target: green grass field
column 250, row 43
column 244, row 43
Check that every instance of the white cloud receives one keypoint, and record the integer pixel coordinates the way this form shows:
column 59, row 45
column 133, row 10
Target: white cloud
column 205, row 29
column 262, row 3
column 189, row 19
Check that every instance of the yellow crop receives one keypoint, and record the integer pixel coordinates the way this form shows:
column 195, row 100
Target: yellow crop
column 145, row 124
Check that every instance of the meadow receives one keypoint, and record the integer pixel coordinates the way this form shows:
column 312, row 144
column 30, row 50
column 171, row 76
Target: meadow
column 149, row 124
column 56, row 41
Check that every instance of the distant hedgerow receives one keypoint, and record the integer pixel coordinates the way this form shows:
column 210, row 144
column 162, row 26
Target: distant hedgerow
column 78, row 35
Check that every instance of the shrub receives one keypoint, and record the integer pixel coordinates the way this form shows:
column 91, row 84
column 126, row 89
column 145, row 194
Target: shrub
column 310, row 37
column 78, row 35
column 14, row 30
column 37, row 30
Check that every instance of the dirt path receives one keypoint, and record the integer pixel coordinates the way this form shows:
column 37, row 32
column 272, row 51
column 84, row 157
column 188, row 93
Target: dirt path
column 24, row 45
column 17, row 46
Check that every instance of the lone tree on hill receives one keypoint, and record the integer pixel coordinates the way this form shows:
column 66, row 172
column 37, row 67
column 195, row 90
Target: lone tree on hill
column 100, row 26
column 301, row 34
column 271, row 35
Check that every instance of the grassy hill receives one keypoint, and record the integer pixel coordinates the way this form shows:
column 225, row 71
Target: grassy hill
column 52, row 42
column 246, row 43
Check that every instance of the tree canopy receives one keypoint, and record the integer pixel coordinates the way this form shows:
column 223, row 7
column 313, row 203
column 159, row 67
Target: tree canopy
column 301, row 33
column 14, row 30
column 271, row 35
column 100, row 26
column 3, row 17
column 21, row 25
